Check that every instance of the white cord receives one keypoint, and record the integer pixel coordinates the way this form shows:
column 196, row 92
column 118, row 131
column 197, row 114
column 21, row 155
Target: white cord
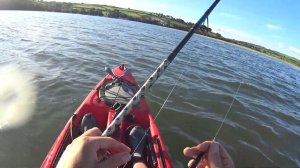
column 162, row 106
column 173, row 88
column 233, row 99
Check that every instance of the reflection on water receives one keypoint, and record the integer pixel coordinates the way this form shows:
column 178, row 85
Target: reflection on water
column 67, row 53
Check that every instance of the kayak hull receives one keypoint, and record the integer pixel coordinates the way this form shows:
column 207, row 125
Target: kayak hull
column 104, row 113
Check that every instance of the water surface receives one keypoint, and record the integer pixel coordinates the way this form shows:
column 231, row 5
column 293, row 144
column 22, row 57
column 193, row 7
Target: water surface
column 67, row 53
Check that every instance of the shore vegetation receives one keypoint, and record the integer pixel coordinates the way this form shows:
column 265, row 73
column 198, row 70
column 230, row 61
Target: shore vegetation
column 135, row 15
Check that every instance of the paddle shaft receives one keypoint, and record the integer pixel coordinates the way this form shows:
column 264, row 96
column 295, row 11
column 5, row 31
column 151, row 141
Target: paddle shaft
column 156, row 74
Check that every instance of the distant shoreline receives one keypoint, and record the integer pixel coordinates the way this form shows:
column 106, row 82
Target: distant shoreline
column 250, row 49
column 139, row 16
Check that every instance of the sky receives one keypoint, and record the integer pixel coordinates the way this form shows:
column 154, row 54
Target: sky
column 274, row 24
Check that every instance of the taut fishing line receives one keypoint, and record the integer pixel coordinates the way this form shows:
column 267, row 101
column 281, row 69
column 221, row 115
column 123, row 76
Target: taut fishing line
column 195, row 161
column 164, row 103
column 222, row 123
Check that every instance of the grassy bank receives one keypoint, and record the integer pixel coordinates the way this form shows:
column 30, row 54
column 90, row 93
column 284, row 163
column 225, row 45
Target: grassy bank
column 135, row 15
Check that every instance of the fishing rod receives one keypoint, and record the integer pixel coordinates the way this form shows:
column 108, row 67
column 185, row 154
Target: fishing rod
column 156, row 74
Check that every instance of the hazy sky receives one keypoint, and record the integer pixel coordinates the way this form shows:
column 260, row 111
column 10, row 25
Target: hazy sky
column 274, row 24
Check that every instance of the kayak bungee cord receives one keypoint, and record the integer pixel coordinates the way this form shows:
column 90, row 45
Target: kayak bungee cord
column 156, row 74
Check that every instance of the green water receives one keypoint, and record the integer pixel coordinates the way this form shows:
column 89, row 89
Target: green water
column 67, row 53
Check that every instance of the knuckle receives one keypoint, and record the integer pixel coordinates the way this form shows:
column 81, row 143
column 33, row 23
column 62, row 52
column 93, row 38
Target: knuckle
column 84, row 139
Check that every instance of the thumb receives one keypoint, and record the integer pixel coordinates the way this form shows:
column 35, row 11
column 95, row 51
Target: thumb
column 214, row 157
column 116, row 160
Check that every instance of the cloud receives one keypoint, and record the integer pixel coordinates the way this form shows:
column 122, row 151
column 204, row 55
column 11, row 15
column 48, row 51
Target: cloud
column 273, row 27
column 280, row 45
column 294, row 50
column 241, row 35
column 237, row 34
column 230, row 15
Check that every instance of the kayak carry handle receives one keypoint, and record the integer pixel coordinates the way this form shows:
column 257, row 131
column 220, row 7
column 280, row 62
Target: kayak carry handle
column 110, row 72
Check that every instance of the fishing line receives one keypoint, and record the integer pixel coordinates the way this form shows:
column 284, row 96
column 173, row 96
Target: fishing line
column 164, row 103
column 222, row 123
column 196, row 161
column 172, row 90
column 156, row 74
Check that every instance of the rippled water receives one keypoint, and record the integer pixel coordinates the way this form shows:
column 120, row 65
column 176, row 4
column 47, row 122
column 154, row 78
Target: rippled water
column 67, row 53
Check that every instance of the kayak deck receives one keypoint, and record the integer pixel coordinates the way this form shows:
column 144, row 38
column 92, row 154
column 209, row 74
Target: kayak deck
column 102, row 105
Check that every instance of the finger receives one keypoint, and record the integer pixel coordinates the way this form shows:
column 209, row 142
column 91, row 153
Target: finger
column 224, row 154
column 204, row 146
column 194, row 151
column 214, row 157
column 116, row 160
column 92, row 132
column 190, row 162
column 202, row 164
column 190, row 152
column 226, row 159
column 110, row 144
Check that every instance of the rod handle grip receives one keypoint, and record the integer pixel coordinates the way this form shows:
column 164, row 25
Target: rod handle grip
column 197, row 160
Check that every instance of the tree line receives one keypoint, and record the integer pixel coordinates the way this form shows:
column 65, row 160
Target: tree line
column 151, row 18
column 145, row 17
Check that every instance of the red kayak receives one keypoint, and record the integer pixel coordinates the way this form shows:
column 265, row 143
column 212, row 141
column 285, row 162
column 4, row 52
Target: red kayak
column 105, row 101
